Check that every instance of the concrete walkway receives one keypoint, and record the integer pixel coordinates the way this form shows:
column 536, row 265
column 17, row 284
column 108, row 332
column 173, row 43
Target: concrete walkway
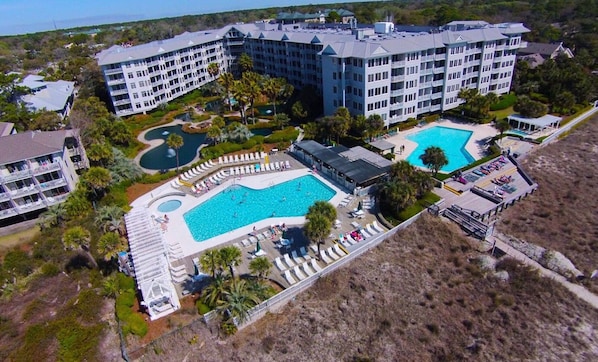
column 578, row 290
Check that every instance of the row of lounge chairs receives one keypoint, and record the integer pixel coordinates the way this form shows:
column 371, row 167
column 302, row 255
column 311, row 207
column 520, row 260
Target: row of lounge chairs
column 197, row 170
column 346, row 201
column 331, row 254
column 245, row 157
column 292, row 259
column 305, row 270
column 360, row 233
column 488, row 169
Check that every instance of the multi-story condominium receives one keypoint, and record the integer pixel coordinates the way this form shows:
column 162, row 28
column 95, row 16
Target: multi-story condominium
column 38, row 169
column 50, row 96
column 398, row 75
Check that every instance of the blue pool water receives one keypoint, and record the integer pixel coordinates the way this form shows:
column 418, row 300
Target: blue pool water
column 451, row 140
column 169, row 206
column 162, row 157
column 238, row 206
column 517, row 132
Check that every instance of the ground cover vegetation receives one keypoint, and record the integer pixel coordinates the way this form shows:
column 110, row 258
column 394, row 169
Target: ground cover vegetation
column 447, row 307
column 52, row 297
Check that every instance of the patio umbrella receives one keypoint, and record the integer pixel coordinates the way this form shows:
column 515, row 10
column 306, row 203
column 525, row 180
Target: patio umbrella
column 359, row 206
column 195, row 269
column 258, row 247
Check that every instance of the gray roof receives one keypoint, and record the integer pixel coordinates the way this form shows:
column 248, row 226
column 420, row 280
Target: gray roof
column 117, row 53
column 22, row 146
column 544, row 49
column 383, row 145
column 51, row 96
column 357, row 164
column 6, row 128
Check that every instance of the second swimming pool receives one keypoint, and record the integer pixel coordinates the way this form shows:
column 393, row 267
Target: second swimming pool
column 451, row 140
column 238, row 206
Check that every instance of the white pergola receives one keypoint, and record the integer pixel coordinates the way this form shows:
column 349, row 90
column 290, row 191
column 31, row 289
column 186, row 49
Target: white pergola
column 534, row 124
column 150, row 262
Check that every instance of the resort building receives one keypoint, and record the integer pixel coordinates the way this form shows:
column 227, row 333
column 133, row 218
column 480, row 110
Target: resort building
column 378, row 70
column 37, row 170
column 50, row 96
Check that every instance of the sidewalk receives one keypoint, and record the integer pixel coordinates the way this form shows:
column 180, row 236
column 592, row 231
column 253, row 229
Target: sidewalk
column 576, row 289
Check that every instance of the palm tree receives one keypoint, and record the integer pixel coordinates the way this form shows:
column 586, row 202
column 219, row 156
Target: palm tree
column 210, row 260
column 260, row 267
column 78, row 237
column 215, row 133
column 54, row 216
column 238, row 300
column 175, row 142
column 100, row 153
column 324, row 208
column 107, row 214
column 226, row 80
column 275, row 88
column 98, row 179
column 317, row 228
column 212, row 295
column 434, row 158
column 468, row 95
column 397, row 195
column 374, row 125
column 245, row 62
column 109, row 245
column 240, row 94
column 230, row 256
column 213, row 69
column 282, row 120
column 402, row 171
column 251, row 82
column 502, row 126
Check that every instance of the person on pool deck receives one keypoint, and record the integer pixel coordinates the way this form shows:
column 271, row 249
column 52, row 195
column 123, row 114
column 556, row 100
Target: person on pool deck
column 166, row 217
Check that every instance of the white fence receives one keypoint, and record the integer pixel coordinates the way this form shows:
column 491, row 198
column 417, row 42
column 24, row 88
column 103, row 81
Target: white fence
column 288, row 294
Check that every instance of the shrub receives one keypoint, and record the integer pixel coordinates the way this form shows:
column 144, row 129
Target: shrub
column 125, row 282
column 250, row 143
column 134, row 323
column 50, row 269
column 409, row 123
column 201, row 307
column 126, row 298
column 19, row 262
column 286, row 135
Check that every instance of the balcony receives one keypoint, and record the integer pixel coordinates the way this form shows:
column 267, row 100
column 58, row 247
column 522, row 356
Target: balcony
column 438, row 70
column 397, row 78
column 46, row 168
column 30, row 206
column 4, row 196
column 119, row 92
column 438, row 83
column 122, row 102
column 24, row 191
column 16, row 175
column 113, row 71
column 51, row 200
column 53, row 183
column 397, row 92
column 7, row 213
column 398, row 64
column 116, row 81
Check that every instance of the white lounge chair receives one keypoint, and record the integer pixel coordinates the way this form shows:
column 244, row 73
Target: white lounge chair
column 267, row 167
column 175, row 184
column 289, row 278
column 314, row 248
column 250, row 169
column 296, row 257
column 236, row 159
column 211, row 163
column 178, row 268
column 256, row 156
column 299, row 273
column 251, row 158
column 314, row 264
column 272, row 166
column 287, row 164
column 325, row 258
column 277, row 165
column 365, row 234
column 377, row 227
column 179, row 280
column 338, row 250
column 225, row 160
column 241, row 170
column 369, row 229
column 350, row 239
column 262, row 154
column 220, row 160
column 288, row 261
column 262, row 167
column 245, row 242
column 253, row 239
column 279, row 264
column 307, row 269
column 332, row 254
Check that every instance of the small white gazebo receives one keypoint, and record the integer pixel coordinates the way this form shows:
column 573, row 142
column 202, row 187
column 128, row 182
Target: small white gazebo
column 531, row 125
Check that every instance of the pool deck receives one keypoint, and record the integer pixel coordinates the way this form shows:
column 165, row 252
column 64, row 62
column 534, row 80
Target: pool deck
column 475, row 145
column 176, row 230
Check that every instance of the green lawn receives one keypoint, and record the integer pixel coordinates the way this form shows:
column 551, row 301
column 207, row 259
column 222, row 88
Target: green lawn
column 503, row 113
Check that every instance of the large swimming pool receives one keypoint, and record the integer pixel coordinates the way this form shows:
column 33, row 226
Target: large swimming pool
column 238, row 206
column 451, row 140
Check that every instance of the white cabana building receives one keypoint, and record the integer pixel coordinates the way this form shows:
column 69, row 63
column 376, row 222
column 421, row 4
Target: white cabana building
column 531, row 125
column 151, row 265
